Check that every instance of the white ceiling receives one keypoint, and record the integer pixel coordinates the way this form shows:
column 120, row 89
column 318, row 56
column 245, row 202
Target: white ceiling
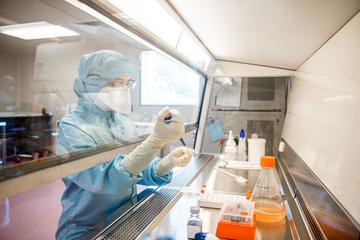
column 278, row 33
column 56, row 12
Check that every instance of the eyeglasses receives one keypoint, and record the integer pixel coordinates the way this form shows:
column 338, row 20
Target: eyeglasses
column 122, row 82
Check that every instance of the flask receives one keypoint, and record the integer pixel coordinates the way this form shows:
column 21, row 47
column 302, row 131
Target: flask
column 242, row 146
column 194, row 224
column 266, row 195
column 230, row 147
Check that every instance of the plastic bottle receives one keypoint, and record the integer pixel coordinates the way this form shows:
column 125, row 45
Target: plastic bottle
column 242, row 146
column 256, row 148
column 194, row 224
column 266, row 195
column 230, row 147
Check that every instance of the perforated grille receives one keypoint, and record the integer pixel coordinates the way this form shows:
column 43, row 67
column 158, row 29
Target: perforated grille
column 129, row 227
column 310, row 219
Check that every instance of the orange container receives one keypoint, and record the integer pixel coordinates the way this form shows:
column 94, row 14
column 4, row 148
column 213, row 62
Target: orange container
column 237, row 220
column 238, row 231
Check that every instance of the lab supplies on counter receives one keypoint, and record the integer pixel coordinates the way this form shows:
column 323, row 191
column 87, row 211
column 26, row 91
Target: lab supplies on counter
column 266, row 195
column 217, row 199
column 230, row 149
column 237, row 221
column 194, row 224
column 241, row 165
column 256, row 148
column 239, row 179
column 242, row 146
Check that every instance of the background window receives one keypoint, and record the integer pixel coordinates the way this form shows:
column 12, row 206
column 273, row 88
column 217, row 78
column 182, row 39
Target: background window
column 165, row 82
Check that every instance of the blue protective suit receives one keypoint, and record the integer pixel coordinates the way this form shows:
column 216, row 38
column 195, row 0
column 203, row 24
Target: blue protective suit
column 93, row 194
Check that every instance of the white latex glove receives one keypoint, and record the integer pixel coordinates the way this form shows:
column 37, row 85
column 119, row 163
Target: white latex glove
column 162, row 134
column 179, row 157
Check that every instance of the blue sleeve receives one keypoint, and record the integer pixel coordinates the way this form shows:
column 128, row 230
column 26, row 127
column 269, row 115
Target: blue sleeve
column 71, row 139
column 109, row 177
column 150, row 176
column 105, row 178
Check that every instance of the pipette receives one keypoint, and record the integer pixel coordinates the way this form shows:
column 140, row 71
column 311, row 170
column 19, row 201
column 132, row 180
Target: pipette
column 168, row 119
column 237, row 178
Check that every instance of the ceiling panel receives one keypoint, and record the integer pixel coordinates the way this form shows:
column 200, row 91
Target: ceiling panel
column 278, row 33
column 56, row 12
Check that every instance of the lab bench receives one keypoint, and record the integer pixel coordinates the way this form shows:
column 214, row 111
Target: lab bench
column 166, row 211
column 174, row 222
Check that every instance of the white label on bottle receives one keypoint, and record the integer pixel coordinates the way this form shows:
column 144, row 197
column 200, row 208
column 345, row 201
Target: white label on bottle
column 192, row 230
column 231, row 155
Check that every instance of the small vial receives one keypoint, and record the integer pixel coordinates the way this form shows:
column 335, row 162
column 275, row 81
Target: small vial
column 194, row 224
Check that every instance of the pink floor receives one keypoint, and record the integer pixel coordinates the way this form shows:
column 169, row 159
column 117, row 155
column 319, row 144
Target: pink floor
column 32, row 215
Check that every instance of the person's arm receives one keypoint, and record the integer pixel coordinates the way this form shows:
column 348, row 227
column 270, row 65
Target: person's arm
column 109, row 177
column 162, row 134
column 152, row 177
column 179, row 157
column 160, row 170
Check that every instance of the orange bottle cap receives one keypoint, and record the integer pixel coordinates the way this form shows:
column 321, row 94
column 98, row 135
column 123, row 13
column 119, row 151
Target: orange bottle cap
column 248, row 194
column 267, row 161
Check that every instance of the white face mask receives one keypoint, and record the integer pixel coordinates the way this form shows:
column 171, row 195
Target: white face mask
column 116, row 99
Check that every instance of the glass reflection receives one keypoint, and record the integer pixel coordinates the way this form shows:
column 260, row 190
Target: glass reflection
column 37, row 81
column 42, row 117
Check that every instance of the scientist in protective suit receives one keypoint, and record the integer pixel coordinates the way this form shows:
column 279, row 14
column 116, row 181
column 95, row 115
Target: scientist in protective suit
column 103, row 87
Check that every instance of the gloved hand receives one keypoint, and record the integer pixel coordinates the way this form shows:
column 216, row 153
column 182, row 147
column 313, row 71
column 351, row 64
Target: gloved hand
column 163, row 132
column 179, row 157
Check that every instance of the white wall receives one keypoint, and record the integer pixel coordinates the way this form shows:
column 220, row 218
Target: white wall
column 323, row 119
column 20, row 65
column 9, row 67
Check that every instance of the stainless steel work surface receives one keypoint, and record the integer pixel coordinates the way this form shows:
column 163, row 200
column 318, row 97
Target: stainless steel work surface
column 174, row 222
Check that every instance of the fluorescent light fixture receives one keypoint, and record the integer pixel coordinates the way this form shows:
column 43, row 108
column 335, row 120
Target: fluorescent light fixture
column 152, row 16
column 85, row 8
column 190, row 49
column 36, row 30
column 123, row 30
column 339, row 98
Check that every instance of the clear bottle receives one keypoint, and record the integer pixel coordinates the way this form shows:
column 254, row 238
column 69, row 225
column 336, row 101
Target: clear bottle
column 230, row 149
column 266, row 195
column 242, row 146
column 194, row 224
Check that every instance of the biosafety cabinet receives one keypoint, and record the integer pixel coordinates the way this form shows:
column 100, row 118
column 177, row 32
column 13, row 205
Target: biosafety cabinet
column 287, row 71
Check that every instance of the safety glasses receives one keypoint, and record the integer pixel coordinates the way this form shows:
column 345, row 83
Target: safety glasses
column 121, row 82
